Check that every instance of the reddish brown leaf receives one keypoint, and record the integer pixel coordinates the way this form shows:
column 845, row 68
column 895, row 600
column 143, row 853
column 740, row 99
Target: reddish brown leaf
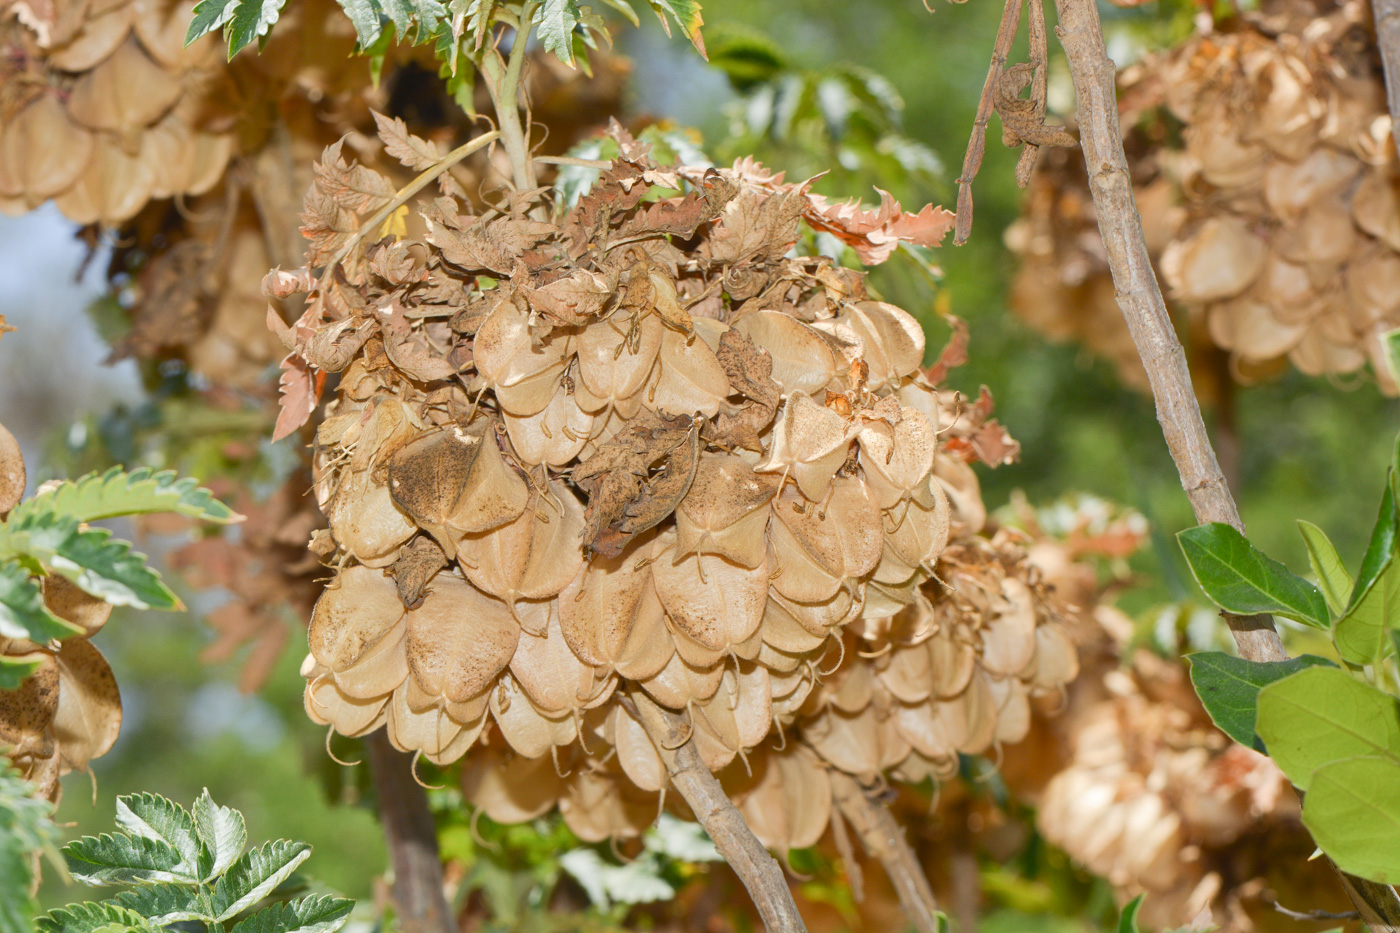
column 300, row 393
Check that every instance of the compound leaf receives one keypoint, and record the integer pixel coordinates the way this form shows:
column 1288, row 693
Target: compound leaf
column 109, row 859
column 222, row 832
column 255, row 874
column 320, row 914
column 140, row 492
column 151, row 816
column 97, row 917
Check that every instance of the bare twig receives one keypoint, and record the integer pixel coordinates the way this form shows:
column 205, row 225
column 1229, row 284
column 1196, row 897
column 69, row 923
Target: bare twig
column 420, row 902
column 884, row 839
column 1140, row 299
column 570, row 160
column 1387, row 17
column 1317, row 914
column 758, row 870
column 977, row 142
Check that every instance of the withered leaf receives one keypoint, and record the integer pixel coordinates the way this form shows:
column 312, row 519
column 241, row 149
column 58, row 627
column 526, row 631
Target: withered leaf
column 492, row 245
column 12, row 472
column 754, row 229
column 349, row 184
column 874, row 234
column 418, row 562
column 571, row 300
column 300, row 393
column 413, row 151
column 750, row 373
column 637, row 478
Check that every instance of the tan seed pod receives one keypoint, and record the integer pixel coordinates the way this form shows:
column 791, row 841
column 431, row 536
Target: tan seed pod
column 886, row 338
column 790, row 804
column 510, row 788
column 615, row 357
column 89, row 713
column 366, row 521
column 526, row 727
column 440, row 738
column 1251, row 327
column 380, row 669
column 678, row 683
column 553, row 436
column 611, row 617
column 809, row 444
column 1219, row 261
column 953, row 660
column 327, row 706
column 850, row 742
column 896, row 458
column 725, row 512
column 690, row 378
column 1290, row 187
column 509, row 362
column 357, row 610
column 782, row 630
column 1013, row 710
column 126, row 92
column 636, row 753
column 1008, row 639
column 821, row 545
column 44, row 151
column 459, row 640
column 1376, row 206
column 819, row 618
column 96, row 38
column 597, row 806
column 71, row 604
column 908, row 674
column 716, row 603
column 553, row 677
column 111, row 189
column 802, row 361
column 1056, row 662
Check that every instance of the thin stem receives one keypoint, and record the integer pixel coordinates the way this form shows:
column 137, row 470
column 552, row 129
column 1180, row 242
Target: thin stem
column 570, row 160
column 758, row 870
column 884, row 839
column 977, row 142
column 1140, row 298
column 503, row 84
column 412, row 838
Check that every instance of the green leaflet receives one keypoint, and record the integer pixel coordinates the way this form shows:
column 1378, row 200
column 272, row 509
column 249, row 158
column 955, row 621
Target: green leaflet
column 1240, row 579
column 1321, row 715
column 686, row 13
column 255, row 874
column 26, row 825
column 164, row 903
column 1353, row 812
column 99, row 564
column 424, row 16
column 1360, row 634
column 140, row 492
column 222, row 833
column 1379, row 550
column 319, row 914
column 22, row 610
column 242, row 20
column 102, row 917
column 1127, row 920
column 153, row 817
column 366, row 16
column 1332, row 577
column 109, row 859
column 557, row 19
column 1229, row 687
column 15, row 668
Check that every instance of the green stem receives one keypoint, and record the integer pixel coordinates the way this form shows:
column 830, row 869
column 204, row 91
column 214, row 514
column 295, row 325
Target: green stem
column 503, row 84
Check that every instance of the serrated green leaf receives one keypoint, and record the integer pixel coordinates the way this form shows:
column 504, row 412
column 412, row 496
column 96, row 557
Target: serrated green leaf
column 557, row 19
column 1127, row 920
column 255, row 874
column 319, row 914
column 1333, row 579
column 242, row 20
column 1323, row 714
column 120, row 859
column 98, row 496
column 151, row 816
column 26, row 825
column 1352, row 810
column 1240, row 579
column 686, row 13
column 222, row 831
column 23, row 614
column 208, row 16
column 625, row 8
column 99, row 564
column 165, row 903
column 14, row 669
column 421, row 17
column 98, row 917
column 1229, row 687
column 366, row 16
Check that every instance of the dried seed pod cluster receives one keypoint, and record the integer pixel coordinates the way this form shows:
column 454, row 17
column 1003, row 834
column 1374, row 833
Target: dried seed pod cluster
column 1284, row 246
column 68, row 711
column 104, row 107
column 634, row 448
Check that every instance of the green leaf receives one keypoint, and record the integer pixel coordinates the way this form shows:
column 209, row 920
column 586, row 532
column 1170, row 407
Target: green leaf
column 26, row 825
column 1379, row 550
column 424, row 16
column 221, row 830
column 141, row 492
column 320, row 914
column 99, row 564
column 1323, row 714
column 23, row 614
column 14, row 669
column 1242, row 580
column 625, row 8
column 1229, row 687
column 366, row 16
column 1332, row 577
column 1391, row 339
column 109, row 859
column 165, row 903
column 253, row 876
column 557, row 19
column 242, row 20
column 1353, row 812
column 151, row 816
column 686, row 13
column 1360, row 634
column 1127, row 920
column 99, row 917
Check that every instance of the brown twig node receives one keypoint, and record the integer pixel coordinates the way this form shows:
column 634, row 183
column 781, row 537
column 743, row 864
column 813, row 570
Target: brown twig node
column 1022, row 118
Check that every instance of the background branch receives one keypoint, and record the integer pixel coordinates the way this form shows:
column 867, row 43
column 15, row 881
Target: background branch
column 756, row 868
column 419, row 901
column 1140, row 298
column 884, row 839
column 1387, row 17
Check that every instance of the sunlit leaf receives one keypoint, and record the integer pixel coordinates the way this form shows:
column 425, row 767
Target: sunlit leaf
column 320, row 914
column 1323, row 714
column 255, row 875
column 1229, row 687
column 109, row 859
column 99, row 917
column 1353, row 812
column 164, row 903
column 222, row 832
column 23, row 614
column 557, row 19
column 116, row 492
column 1240, row 579
column 1332, row 577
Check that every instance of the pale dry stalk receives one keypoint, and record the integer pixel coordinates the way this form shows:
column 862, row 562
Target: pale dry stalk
column 756, row 868
column 503, row 84
column 1387, row 16
column 883, row 838
column 419, row 899
column 1140, row 298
